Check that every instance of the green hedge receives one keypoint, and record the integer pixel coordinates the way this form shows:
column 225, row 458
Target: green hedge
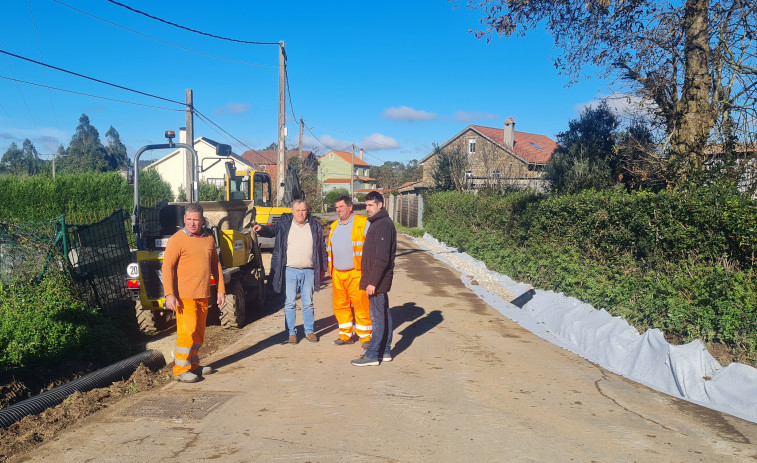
column 46, row 324
column 43, row 198
column 681, row 262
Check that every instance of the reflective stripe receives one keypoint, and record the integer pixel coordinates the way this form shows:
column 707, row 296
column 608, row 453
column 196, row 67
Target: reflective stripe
column 358, row 243
column 345, row 325
column 183, row 350
column 358, row 253
column 194, row 359
column 364, row 327
column 196, row 346
column 365, row 335
column 181, row 363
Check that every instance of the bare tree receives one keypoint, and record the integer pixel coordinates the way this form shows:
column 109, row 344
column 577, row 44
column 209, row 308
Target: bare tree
column 449, row 172
column 695, row 60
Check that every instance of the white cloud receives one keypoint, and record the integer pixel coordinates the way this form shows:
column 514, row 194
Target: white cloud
column 232, row 108
column 377, row 141
column 405, row 113
column 470, row 116
column 374, row 142
column 622, row 104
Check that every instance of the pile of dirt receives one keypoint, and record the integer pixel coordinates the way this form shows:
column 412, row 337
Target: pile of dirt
column 35, row 429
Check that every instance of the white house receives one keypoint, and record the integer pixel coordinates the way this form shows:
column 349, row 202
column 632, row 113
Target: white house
column 173, row 167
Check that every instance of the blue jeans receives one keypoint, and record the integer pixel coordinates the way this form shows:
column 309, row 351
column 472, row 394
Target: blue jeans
column 299, row 280
column 381, row 319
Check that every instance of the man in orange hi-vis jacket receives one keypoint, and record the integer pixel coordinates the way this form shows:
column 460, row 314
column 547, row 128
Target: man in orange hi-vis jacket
column 190, row 259
column 345, row 250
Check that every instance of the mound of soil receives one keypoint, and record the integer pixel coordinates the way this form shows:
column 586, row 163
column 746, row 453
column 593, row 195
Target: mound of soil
column 35, row 429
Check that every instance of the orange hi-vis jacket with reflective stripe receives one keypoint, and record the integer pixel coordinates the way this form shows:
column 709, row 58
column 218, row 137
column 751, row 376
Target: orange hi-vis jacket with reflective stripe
column 358, row 238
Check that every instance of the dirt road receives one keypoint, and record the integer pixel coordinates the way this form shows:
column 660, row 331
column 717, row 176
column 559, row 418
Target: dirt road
column 465, row 384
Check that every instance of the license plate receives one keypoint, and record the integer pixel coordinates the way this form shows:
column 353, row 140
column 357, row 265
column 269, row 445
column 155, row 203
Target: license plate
column 161, row 242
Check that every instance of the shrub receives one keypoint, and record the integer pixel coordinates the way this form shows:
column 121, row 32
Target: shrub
column 333, row 195
column 46, row 324
column 43, row 198
column 679, row 261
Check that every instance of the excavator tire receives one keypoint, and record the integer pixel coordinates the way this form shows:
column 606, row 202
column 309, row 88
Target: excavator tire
column 149, row 321
column 232, row 314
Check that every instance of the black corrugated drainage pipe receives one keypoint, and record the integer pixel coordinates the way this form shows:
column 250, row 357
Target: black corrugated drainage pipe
column 103, row 377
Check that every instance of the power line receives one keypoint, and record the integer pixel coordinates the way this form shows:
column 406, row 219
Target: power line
column 161, row 40
column 21, row 94
column 289, row 90
column 91, row 78
column 209, row 121
column 189, row 29
column 89, row 95
column 44, row 71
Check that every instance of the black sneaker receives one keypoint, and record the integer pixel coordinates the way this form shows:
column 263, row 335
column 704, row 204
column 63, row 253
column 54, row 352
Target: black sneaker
column 364, row 361
column 342, row 342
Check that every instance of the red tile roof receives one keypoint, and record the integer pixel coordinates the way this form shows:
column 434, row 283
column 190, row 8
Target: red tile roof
column 531, row 147
column 346, row 156
column 337, row 180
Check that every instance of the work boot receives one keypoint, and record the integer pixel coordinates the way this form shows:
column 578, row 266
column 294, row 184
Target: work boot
column 187, row 377
column 364, row 361
column 292, row 339
column 203, row 371
column 311, row 337
column 342, row 342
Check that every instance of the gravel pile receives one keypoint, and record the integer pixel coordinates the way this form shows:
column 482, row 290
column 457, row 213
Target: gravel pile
column 466, row 265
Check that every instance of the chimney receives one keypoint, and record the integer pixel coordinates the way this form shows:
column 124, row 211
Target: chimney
column 509, row 138
column 182, row 134
column 361, row 154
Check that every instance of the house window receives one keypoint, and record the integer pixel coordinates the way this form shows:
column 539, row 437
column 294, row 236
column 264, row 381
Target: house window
column 471, row 146
column 331, row 157
column 496, row 175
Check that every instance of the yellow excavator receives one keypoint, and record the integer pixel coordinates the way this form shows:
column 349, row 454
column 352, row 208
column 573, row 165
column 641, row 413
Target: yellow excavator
column 230, row 222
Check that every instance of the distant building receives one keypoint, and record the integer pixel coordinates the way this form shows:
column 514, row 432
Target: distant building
column 497, row 156
column 267, row 160
column 338, row 168
column 173, row 167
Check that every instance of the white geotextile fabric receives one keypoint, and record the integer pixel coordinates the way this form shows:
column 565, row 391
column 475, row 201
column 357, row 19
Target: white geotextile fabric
column 687, row 371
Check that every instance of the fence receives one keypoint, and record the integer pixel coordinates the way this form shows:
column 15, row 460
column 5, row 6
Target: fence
column 94, row 255
column 406, row 209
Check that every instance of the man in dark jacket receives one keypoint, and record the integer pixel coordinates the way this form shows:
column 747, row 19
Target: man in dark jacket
column 298, row 264
column 377, row 265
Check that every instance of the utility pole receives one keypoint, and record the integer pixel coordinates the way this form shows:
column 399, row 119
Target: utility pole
column 299, row 151
column 280, row 173
column 352, row 173
column 189, row 141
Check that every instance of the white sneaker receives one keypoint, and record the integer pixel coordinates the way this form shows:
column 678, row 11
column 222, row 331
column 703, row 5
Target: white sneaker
column 187, row 377
column 202, row 371
column 387, row 357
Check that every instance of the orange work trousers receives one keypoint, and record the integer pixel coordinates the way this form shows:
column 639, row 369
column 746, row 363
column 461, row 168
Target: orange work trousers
column 190, row 334
column 347, row 296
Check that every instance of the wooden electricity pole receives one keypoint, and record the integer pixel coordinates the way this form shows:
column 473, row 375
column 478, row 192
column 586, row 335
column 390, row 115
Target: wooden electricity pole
column 281, row 173
column 189, row 188
column 299, row 150
column 352, row 173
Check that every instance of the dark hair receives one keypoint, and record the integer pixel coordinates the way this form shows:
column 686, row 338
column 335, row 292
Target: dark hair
column 375, row 196
column 347, row 200
column 193, row 207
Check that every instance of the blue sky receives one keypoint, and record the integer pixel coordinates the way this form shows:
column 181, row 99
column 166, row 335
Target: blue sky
column 392, row 77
